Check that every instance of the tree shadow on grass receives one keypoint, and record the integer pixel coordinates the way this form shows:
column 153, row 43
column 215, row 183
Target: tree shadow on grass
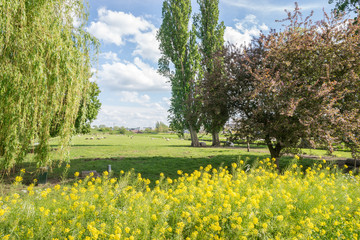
column 148, row 167
column 94, row 145
column 151, row 167
column 239, row 147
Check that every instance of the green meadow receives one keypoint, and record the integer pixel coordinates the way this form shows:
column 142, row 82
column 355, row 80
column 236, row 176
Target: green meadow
column 150, row 155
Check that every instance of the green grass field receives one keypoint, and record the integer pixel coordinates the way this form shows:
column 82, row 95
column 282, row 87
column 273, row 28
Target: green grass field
column 150, row 155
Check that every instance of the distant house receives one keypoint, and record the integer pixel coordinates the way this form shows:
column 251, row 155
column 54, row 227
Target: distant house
column 134, row 130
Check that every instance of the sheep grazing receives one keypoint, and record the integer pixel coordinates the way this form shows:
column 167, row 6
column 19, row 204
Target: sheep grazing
column 167, row 139
column 92, row 138
column 230, row 144
column 86, row 138
column 202, row 144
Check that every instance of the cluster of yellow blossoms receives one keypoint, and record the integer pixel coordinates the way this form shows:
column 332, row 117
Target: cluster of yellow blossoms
column 236, row 203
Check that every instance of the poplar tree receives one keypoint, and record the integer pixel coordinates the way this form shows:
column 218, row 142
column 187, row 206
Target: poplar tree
column 45, row 67
column 215, row 111
column 179, row 49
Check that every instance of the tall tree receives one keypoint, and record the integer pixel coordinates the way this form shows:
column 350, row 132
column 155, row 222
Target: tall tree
column 301, row 83
column 215, row 108
column 161, row 127
column 178, row 47
column 45, row 65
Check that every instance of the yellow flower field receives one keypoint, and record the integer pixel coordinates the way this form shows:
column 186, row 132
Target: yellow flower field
column 237, row 203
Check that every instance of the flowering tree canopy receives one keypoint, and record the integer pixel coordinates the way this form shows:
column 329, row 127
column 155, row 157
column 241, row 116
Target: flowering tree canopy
column 301, row 83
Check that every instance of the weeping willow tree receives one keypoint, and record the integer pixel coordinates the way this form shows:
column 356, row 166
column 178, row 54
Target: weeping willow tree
column 45, row 67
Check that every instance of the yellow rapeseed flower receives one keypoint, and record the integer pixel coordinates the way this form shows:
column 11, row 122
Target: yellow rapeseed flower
column 18, row 179
column 255, row 220
column 2, row 212
column 264, row 225
column 6, row 237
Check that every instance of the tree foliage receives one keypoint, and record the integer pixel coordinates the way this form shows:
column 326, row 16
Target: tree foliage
column 179, row 48
column 161, row 127
column 88, row 111
column 213, row 85
column 301, row 83
column 346, row 5
column 44, row 70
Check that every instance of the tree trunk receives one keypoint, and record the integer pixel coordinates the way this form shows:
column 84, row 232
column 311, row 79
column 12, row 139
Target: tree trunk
column 274, row 150
column 248, row 144
column 194, row 138
column 215, row 139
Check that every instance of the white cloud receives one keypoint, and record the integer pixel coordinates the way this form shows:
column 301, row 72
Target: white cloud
column 235, row 37
column 166, row 101
column 114, row 27
column 266, row 6
column 263, row 27
column 133, row 97
column 147, row 46
column 244, row 30
column 126, row 76
column 119, row 28
column 130, row 116
column 110, row 56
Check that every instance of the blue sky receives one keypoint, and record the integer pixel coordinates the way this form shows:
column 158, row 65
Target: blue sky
column 133, row 94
